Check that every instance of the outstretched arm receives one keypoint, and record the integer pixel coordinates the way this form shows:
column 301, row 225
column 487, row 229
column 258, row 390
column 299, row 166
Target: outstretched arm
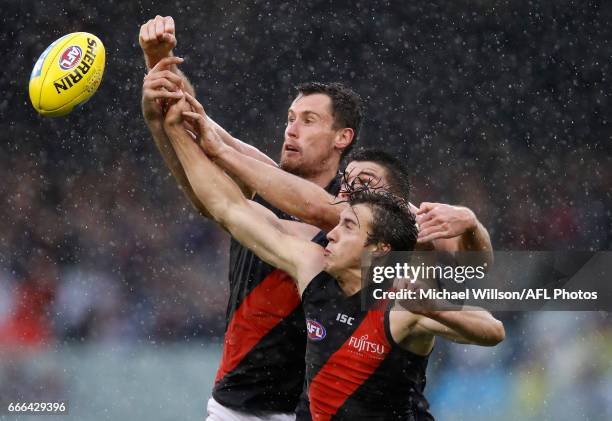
column 294, row 195
column 477, row 327
column 419, row 318
column 301, row 259
column 157, row 40
column 242, row 147
column 161, row 85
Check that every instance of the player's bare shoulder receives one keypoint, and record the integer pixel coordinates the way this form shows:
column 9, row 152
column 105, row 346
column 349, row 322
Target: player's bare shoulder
column 310, row 263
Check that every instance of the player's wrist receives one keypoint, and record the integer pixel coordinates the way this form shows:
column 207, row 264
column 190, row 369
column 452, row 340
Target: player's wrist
column 151, row 108
column 154, row 121
column 221, row 155
column 152, row 58
column 224, row 151
column 173, row 125
column 152, row 116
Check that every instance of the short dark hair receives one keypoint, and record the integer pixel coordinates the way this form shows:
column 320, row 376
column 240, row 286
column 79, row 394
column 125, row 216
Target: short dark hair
column 347, row 106
column 392, row 223
column 397, row 171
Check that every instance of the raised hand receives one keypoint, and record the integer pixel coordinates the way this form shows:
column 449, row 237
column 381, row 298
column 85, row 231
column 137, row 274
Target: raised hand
column 438, row 220
column 157, row 39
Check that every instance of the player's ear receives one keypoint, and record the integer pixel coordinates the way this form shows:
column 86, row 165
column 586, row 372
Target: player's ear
column 381, row 249
column 344, row 138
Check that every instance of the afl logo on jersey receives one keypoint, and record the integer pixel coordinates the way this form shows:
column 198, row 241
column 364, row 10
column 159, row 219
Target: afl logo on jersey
column 316, row 331
column 70, row 57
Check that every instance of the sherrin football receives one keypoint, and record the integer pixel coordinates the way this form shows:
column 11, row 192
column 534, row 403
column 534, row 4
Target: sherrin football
column 67, row 74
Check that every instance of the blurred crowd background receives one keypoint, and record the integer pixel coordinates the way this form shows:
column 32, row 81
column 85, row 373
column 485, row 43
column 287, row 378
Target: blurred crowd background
column 503, row 107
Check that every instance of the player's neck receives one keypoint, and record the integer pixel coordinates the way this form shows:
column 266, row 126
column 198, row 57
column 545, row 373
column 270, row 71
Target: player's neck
column 324, row 177
column 349, row 280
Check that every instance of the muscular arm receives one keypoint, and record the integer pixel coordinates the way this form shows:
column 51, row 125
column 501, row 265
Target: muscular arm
column 172, row 162
column 161, row 85
column 294, row 195
column 219, row 194
column 167, row 152
column 241, row 147
column 476, row 327
column 468, row 326
column 422, row 318
column 475, row 239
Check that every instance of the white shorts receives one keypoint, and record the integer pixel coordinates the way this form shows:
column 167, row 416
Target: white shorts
column 218, row 412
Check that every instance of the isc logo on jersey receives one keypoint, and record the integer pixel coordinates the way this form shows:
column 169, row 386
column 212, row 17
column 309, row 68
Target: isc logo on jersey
column 316, row 331
column 67, row 74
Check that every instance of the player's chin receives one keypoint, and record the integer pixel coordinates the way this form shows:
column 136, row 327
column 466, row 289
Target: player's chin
column 289, row 163
column 328, row 264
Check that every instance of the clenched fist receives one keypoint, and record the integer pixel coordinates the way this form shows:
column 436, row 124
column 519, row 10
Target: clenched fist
column 157, row 39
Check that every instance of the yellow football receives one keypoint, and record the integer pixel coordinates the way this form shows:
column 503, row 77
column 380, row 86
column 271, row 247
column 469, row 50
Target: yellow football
column 67, row 74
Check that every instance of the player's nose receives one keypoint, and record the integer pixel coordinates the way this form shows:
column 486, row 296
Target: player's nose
column 292, row 129
column 332, row 236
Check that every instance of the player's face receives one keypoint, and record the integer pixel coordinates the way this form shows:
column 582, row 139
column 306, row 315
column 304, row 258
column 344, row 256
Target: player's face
column 361, row 173
column 347, row 241
column 309, row 135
